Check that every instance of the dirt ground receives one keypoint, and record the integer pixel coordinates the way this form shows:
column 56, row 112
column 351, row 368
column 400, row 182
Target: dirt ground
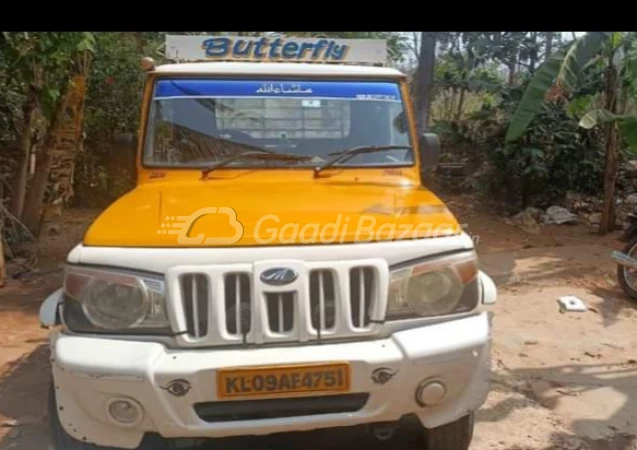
column 560, row 380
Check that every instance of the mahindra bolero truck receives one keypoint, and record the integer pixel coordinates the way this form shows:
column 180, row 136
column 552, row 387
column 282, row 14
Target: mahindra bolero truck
column 281, row 264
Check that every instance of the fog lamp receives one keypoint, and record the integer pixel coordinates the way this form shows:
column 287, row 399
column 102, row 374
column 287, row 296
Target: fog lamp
column 430, row 393
column 125, row 412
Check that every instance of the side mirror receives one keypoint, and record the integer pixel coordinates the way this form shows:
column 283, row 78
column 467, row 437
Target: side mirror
column 429, row 152
column 126, row 140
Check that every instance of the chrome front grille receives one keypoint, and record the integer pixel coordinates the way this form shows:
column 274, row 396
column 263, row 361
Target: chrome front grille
column 281, row 310
column 237, row 303
column 322, row 299
column 195, row 290
column 361, row 294
column 231, row 304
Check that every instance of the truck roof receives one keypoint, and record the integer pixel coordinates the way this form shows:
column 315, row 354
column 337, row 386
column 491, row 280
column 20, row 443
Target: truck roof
column 276, row 68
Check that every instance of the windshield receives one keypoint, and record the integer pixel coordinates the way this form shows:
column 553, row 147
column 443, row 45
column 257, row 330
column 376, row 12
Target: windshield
column 198, row 122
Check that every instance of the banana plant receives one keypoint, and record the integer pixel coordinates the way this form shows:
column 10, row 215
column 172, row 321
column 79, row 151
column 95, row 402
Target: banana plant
column 627, row 123
column 559, row 76
column 561, row 71
column 41, row 63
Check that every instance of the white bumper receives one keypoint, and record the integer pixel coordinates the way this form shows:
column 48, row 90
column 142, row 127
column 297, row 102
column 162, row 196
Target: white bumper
column 90, row 371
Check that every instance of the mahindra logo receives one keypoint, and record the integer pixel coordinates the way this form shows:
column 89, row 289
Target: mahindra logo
column 279, row 276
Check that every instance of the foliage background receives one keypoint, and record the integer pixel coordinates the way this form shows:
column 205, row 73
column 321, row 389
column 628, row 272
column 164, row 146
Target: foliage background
column 479, row 79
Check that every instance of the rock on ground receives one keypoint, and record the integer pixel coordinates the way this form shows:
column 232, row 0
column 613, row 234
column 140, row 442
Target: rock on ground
column 558, row 215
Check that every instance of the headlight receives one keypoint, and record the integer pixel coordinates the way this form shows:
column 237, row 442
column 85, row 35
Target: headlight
column 438, row 287
column 108, row 301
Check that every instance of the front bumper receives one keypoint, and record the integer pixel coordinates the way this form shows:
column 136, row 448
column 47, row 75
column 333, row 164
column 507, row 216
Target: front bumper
column 90, row 372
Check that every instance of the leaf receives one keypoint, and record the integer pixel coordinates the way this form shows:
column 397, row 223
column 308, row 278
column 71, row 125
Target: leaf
column 578, row 56
column 534, row 153
column 628, row 129
column 594, row 60
column 616, row 39
column 631, row 69
column 535, row 169
column 619, row 56
column 534, row 96
column 598, row 117
column 631, row 60
column 579, row 105
column 87, row 42
column 48, row 99
column 52, row 93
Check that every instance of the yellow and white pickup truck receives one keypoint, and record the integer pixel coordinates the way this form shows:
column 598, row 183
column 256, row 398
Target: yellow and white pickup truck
column 280, row 266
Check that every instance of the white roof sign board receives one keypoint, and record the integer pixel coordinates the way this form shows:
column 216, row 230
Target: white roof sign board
column 291, row 49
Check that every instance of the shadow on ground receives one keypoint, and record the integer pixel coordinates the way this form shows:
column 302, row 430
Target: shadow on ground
column 24, row 386
column 533, row 265
column 596, row 404
column 615, row 303
column 405, row 438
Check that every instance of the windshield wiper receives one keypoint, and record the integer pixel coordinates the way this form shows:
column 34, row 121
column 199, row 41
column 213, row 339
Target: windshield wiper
column 255, row 154
column 345, row 155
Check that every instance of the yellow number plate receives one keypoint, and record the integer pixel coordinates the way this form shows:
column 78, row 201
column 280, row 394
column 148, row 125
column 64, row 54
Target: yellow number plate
column 283, row 380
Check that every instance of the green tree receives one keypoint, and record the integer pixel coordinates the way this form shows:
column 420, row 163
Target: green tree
column 43, row 62
column 424, row 78
column 561, row 73
column 115, row 85
column 461, row 70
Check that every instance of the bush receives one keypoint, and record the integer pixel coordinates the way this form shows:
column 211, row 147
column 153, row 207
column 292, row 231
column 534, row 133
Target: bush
column 554, row 156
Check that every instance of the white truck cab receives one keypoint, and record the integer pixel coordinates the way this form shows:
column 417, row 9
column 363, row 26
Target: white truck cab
column 280, row 265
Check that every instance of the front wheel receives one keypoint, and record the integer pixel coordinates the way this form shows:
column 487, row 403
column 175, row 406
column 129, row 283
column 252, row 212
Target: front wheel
column 452, row 436
column 626, row 276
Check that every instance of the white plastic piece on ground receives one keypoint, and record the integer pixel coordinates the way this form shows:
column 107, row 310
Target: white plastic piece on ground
column 571, row 303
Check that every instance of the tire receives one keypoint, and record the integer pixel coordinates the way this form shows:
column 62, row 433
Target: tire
column 621, row 275
column 452, row 436
column 61, row 440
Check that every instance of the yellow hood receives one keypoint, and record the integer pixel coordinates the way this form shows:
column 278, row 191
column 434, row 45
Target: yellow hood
column 228, row 212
